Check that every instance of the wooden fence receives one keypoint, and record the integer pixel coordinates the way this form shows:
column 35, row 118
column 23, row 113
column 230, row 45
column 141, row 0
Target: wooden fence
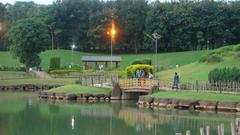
column 98, row 80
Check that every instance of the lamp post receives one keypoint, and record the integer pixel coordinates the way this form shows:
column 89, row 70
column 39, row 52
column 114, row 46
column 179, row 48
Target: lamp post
column 73, row 46
column 112, row 34
column 156, row 36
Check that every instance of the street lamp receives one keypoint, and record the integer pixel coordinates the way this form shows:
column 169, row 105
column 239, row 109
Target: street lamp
column 73, row 46
column 156, row 36
column 112, row 34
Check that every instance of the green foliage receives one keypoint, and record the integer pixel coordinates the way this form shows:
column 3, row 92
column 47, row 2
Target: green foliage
column 211, row 58
column 224, row 74
column 144, row 61
column 131, row 70
column 225, row 49
column 237, row 48
column 7, row 68
column 55, row 63
column 28, row 38
column 64, row 71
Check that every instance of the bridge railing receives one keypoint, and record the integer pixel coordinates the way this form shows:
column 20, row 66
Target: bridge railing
column 137, row 83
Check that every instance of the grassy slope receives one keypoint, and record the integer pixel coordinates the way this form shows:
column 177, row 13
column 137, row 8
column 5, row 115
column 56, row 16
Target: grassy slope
column 198, row 71
column 164, row 59
column 197, row 96
column 80, row 89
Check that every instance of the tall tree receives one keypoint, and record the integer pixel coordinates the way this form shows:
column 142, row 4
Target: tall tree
column 28, row 38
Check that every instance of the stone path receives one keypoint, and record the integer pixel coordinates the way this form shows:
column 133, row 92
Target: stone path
column 42, row 74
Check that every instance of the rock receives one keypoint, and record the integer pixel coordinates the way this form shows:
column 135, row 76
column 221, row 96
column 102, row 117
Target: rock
column 148, row 100
column 174, row 103
column 156, row 101
column 71, row 97
column 208, row 105
column 60, row 96
column 164, row 102
column 227, row 106
column 238, row 107
column 51, row 95
column 187, row 103
column 141, row 100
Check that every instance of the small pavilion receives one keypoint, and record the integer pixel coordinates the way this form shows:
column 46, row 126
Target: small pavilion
column 98, row 59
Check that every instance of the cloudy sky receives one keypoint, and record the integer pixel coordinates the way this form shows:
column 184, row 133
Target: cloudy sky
column 36, row 1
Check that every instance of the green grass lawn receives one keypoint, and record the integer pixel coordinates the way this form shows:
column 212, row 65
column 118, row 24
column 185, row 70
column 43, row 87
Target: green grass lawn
column 197, row 96
column 13, row 74
column 164, row 59
column 80, row 89
column 197, row 71
column 61, row 81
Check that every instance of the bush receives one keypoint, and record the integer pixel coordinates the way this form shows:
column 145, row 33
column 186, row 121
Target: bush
column 131, row 70
column 224, row 49
column 64, row 71
column 144, row 61
column 55, row 63
column 224, row 74
column 211, row 58
column 237, row 55
column 136, row 62
column 237, row 48
column 16, row 68
column 147, row 61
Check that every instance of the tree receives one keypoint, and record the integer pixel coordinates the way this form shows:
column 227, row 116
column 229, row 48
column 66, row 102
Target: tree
column 28, row 38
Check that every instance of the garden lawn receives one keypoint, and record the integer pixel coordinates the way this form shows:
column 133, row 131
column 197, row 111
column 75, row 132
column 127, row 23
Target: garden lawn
column 197, row 70
column 60, row 81
column 67, row 57
column 80, row 89
column 13, row 74
column 197, row 96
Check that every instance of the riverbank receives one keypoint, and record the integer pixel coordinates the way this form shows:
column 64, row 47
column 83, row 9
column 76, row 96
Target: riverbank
column 191, row 100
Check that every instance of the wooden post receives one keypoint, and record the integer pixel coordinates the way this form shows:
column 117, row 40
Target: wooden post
column 233, row 129
column 116, row 64
column 188, row 132
column 219, row 130
column 106, row 64
column 222, row 129
column 196, row 85
column 208, row 130
column 201, row 131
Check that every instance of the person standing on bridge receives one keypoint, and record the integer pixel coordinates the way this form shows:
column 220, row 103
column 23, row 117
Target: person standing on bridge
column 138, row 73
column 175, row 81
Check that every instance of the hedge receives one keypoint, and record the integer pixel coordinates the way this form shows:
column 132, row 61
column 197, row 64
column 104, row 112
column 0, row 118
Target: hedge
column 224, row 74
column 144, row 61
column 64, row 71
column 131, row 70
column 55, row 63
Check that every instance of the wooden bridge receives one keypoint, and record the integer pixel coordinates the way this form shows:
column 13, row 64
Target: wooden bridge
column 137, row 85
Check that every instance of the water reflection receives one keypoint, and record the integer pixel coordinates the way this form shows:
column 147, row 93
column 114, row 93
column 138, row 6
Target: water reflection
column 30, row 116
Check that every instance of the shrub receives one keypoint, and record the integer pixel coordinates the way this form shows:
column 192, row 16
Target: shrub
column 224, row 74
column 147, row 61
column 237, row 55
column 64, row 71
column 224, row 49
column 211, row 58
column 131, row 70
column 237, row 48
column 136, row 62
column 16, row 68
column 55, row 63
column 144, row 61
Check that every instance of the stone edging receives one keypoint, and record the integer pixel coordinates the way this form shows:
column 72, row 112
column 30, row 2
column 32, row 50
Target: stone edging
column 148, row 101
column 27, row 87
column 79, row 96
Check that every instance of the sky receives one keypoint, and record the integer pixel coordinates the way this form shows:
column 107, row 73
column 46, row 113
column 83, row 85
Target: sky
column 36, row 1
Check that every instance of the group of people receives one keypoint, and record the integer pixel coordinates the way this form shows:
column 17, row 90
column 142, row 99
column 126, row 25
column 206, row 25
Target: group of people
column 140, row 73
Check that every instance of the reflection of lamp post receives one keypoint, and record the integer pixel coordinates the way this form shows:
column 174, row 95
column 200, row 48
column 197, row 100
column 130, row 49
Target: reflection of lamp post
column 73, row 46
column 156, row 36
column 112, row 33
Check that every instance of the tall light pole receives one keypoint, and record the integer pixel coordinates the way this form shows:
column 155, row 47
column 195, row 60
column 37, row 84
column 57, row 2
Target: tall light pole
column 156, row 36
column 112, row 34
column 73, row 46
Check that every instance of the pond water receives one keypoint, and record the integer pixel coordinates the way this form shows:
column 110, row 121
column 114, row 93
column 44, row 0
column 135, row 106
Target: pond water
column 25, row 114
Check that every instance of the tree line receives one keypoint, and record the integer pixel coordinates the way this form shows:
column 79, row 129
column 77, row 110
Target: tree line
column 183, row 25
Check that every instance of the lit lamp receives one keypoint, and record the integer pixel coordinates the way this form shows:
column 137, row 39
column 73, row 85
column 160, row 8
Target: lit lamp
column 112, row 34
column 73, row 46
